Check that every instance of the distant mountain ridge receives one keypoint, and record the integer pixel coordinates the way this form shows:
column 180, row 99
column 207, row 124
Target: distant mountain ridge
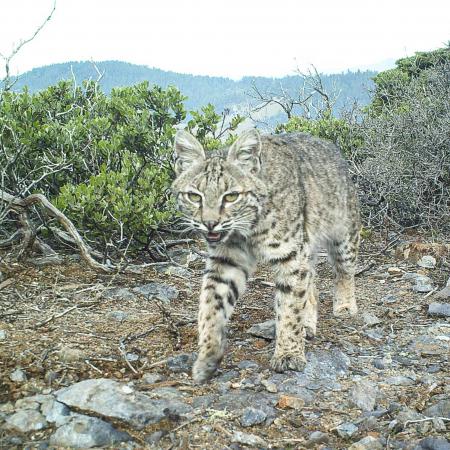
column 220, row 91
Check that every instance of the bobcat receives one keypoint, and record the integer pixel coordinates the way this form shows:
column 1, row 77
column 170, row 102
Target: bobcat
column 275, row 199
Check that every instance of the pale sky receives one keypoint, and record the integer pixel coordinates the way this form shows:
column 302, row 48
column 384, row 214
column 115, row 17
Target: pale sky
column 230, row 38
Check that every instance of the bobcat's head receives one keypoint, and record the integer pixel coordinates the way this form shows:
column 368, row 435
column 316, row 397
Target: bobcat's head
column 219, row 193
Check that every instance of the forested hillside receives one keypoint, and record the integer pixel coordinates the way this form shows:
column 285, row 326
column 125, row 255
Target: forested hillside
column 200, row 90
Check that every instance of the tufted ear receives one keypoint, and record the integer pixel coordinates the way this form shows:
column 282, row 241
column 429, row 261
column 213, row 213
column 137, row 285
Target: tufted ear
column 246, row 151
column 187, row 151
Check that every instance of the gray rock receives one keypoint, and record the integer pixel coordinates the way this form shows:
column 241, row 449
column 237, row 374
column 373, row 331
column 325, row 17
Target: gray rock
column 86, row 432
column 152, row 378
column 399, row 380
column 56, row 412
column 439, row 409
column 167, row 392
column 429, row 345
column 370, row 319
column 315, row 438
column 346, row 430
column 390, row 298
column 120, row 316
column 204, row 401
column 427, row 261
column 439, row 309
column 423, row 284
column 119, row 294
column 264, row 330
column 433, row 443
column 325, row 366
column 118, row 400
column 252, row 416
column 367, row 443
column 248, row 439
column 247, row 364
column 181, row 363
column 18, row 376
column 27, row 403
column 26, row 420
column 2, row 335
column 237, row 400
column 70, row 355
column 227, row 376
column 443, row 294
column 163, row 292
column 364, row 395
column 155, row 437
column 177, row 271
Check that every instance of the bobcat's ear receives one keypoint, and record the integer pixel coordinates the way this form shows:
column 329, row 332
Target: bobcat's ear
column 187, row 151
column 246, row 151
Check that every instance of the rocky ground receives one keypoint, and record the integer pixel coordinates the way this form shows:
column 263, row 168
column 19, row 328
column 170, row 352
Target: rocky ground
column 89, row 360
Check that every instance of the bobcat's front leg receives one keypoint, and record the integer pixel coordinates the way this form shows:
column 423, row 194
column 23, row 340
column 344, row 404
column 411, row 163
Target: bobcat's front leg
column 224, row 281
column 296, row 308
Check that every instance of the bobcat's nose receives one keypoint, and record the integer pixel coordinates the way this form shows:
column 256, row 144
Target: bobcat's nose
column 210, row 224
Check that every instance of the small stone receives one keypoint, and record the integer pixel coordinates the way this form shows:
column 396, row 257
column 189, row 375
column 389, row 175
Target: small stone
column 56, row 412
column 439, row 409
column 87, row 432
column 248, row 439
column 2, row 335
column 346, row 430
column 252, row 416
column 27, row 403
column 443, row 294
column 287, row 401
column 390, row 298
column 163, row 292
column 247, row 364
column 181, row 363
column 370, row 319
column 364, row 395
column 265, row 330
column 202, row 402
column 120, row 316
column 132, row 357
column 270, row 386
column 423, row 284
column 119, row 294
column 27, row 420
column 315, row 438
column 155, row 437
column 69, row 354
column 18, row 375
column 367, row 443
column 379, row 363
column 399, row 380
column 439, row 309
column 427, row 261
column 152, row 378
column 51, row 376
column 433, row 443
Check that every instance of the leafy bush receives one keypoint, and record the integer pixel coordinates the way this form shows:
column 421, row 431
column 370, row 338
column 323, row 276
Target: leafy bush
column 341, row 131
column 105, row 161
column 407, row 175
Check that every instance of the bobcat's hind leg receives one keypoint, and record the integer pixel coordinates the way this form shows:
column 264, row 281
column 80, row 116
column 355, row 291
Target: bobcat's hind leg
column 342, row 254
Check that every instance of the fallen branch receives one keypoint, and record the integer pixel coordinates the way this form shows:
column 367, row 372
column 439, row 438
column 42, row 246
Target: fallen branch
column 20, row 205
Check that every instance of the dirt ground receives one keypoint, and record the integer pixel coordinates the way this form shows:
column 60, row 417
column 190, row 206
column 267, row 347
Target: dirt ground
column 62, row 327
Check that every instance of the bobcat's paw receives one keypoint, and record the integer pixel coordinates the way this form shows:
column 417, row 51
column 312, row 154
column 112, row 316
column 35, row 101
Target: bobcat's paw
column 204, row 369
column 288, row 362
column 346, row 309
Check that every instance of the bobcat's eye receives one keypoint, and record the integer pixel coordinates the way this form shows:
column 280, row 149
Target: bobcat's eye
column 231, row 197
column 194, row 197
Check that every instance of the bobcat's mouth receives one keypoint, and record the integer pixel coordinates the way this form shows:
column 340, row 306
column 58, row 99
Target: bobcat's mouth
column 213, row 237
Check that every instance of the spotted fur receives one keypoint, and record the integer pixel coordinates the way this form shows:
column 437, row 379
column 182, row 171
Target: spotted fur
column 274, row 199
